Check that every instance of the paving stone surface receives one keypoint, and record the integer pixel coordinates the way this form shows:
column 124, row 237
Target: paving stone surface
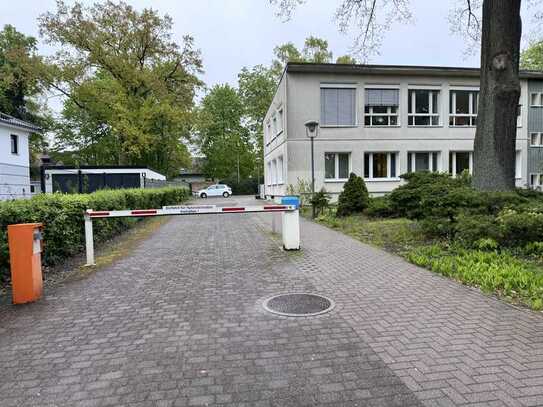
column 179, row 322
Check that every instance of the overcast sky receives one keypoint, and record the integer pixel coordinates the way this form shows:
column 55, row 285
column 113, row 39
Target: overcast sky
column 236, row 33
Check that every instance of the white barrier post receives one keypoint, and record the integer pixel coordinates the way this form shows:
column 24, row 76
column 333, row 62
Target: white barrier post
column 291, row 230
column 277, row 221
column 89, row 241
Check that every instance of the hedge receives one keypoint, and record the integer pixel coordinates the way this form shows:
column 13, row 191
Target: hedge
column 62, row 217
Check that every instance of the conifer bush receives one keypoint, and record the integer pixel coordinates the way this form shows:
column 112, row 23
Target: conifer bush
column 354, row 198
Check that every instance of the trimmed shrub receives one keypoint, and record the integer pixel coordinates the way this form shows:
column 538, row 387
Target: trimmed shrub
column 354, row 198
column 520, row 228
column 472, row 228
column 380, row 207
column 62, row 216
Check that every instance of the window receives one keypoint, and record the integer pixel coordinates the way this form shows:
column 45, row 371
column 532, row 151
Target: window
column 270, row 173
column 423, row 107
column 14, row 144
column 536, row 140
column 274, row 120
column 381, row 107
column 380, row 165
column 518, row 164
column 274, row 172
column 281, row 124
column 423, row 161
column 536, row 180
column 280, row 170
column 338, row 107
column 336, row 166
column 269, row 133
column 463, row 107
column 460, row 161
column 536, row 99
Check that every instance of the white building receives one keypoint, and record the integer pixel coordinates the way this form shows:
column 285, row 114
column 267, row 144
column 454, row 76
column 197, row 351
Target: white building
column 15, row 157
column 90, row 178
column 383, row 121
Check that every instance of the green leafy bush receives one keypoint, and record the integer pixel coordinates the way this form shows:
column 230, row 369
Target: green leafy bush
column 354, row 198
column 472, row 228
column 62, row 216
column 521, row 227
column 320, row 201
column 380, row 207
column 493, row 272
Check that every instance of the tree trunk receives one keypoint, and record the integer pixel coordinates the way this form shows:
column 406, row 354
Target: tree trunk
column 494, row 149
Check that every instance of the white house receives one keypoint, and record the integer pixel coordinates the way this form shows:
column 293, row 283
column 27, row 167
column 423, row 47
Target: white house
column 381, row 121
column 15, row 157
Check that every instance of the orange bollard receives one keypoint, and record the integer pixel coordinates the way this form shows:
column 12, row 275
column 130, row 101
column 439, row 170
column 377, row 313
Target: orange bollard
column 25, row 246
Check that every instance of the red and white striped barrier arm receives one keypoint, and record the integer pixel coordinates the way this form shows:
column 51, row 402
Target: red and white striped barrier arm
column 188, row 210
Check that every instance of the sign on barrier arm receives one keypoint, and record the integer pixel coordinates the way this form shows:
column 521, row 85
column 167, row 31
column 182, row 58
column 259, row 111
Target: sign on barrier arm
column 188, row 210
column 291, row 233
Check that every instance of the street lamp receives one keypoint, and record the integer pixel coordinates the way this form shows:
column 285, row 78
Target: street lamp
column 311, row 131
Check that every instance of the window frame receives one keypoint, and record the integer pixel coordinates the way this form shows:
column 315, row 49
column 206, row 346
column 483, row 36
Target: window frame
column 472, row 117
column 452, row 166
column 411, row 94
column 280, row 121
column 370, row 176
column 539, row 96
column 539, row 136
column 280, row 170
column 389, row 114
column 14, row 144
column 352, row 86
column 539, row 177
column 336, row 166
column 411, row 160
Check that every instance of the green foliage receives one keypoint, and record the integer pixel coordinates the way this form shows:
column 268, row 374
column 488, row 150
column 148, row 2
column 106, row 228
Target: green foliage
column 222, row 138
column 17, row 80
column 248, row 186
column 532, row 57
column 493, row 272
column 320, row 201
column 520, row 228
column 314, row 50
column 62, row 216
column 129, row 87
column 428, row 194
column 380, row 207
column 354, row 198
column 472, row 228
column 302, row 189
column 256, row 89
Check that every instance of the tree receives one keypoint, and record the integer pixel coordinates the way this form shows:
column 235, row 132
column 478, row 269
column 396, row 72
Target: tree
column 532, row 57
column 223, row 140
column 256, row 89
column 354, row 198
column 131, row 81
column 346, row 59
column 17, row 82
column 315, row 50
column 494, row 148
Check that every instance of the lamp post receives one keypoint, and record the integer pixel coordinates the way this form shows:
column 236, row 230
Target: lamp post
column 311, row 130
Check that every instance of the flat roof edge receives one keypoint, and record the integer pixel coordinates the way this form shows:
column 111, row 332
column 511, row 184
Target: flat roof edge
column 415, row 70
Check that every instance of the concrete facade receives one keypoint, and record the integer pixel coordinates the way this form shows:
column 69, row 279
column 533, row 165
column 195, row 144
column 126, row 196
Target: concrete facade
column 298, row 98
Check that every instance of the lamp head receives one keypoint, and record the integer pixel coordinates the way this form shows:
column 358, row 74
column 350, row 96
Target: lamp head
column 311, row 128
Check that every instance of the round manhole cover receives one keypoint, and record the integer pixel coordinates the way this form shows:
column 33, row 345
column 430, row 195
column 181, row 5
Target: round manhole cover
column 298, row 304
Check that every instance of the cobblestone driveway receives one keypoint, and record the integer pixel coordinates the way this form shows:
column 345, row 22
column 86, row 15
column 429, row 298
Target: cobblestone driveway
column 179, row 323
